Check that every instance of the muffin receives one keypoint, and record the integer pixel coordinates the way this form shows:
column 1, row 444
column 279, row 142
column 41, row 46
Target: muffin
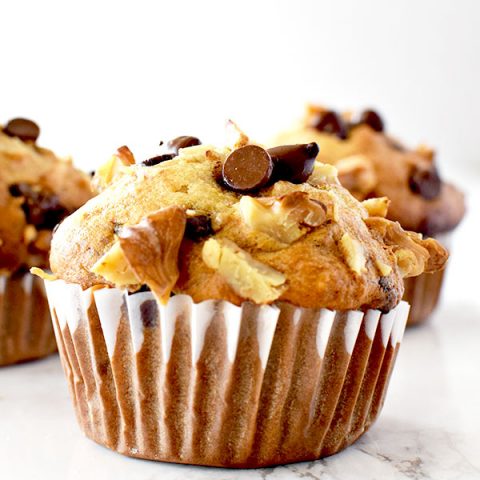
column 37, row 190
column 371, row 163
column 231, row 306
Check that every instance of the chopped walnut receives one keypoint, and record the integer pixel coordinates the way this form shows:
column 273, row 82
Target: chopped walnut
column 414, row 255
column 236, row 137
column 286, row 219
column 248, row 277
column 384, row 269
column 111, row 170
column 146, row 253
column 125, row 155
column 377, row 207
column 151, row 248
column 114, row 267
column 323, row 173
column 302, row 209
column 353, row 253
column 407, row 263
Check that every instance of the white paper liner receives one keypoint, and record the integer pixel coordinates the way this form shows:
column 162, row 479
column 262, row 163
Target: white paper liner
column 25, row 327
column 423, row 292
column 221, row 385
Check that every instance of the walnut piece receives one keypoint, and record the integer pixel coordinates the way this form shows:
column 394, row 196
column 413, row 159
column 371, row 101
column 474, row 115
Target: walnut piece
column 114, row 267
column 248, row 277
column 384, row 269
column 323, row 173
column 353, row 253
column 151, row 248
column 111, row 170
column 236, row 137
column 357, row 174
column 125, row 155
column 377, row 207
column 407, row 263
column 413, row 254
column 286, row 219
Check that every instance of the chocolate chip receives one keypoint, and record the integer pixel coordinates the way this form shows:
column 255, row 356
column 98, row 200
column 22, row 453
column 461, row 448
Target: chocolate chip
column 425, row 182
column 158, row 159
column 199, row 226
column 42, row 207
column 372, row 119
column 149, row 313
column 15, row 190
column 385, row 284
column 331, row 122
column 247, row 168
column 294, row 162
column 183, row 142
column 24, row 129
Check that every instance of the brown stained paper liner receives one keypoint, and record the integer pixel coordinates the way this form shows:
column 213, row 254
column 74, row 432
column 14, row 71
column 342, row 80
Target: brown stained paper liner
column 220, row 385
column 25, row 327
column 423, row 292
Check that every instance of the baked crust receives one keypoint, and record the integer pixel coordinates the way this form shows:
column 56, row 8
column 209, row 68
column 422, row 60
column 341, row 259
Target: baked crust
column 316, row 267
column 391, row 166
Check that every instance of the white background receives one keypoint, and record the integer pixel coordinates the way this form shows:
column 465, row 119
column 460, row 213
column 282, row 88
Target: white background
column 100, row 74
column 97, row 75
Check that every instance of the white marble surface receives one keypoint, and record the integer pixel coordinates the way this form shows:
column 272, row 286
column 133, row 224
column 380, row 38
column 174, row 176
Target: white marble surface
column 429, row 429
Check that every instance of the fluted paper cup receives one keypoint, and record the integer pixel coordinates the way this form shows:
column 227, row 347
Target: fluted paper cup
column 423, row 292
column 220, row 385
column 25, row 327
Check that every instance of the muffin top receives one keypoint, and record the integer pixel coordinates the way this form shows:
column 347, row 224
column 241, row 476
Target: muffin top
column 371, row 163
column 37, row 190
column 239, row 223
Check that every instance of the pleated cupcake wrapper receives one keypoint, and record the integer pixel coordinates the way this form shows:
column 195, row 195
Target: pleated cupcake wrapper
column 220, row 385
column 423, row 292
column 25, row 327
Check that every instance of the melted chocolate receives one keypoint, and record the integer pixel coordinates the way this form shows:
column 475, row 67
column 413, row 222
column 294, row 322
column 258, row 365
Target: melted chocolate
column 24, row 129
column 294, row 163
column 247, row 169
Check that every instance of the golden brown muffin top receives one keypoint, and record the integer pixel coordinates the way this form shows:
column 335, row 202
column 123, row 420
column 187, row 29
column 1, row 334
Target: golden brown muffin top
column 37, row 190
column 225, row 223
column 373, row 164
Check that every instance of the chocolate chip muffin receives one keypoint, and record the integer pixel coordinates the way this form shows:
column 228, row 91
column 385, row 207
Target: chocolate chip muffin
column 230, row 306
column 37, row 191
column 371, row 163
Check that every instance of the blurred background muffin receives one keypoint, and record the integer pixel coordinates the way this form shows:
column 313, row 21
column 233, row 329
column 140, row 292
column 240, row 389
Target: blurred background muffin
column 372, row 163
column 37, row 191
